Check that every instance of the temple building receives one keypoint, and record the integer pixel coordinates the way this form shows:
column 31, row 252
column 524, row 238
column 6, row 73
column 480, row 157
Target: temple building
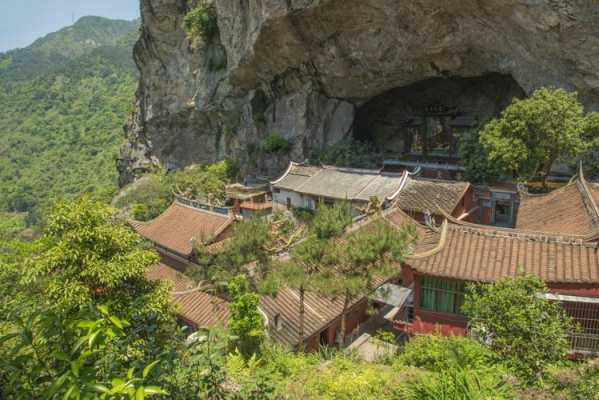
column 249, row 201
column 554, row 236
column 423, row 198
column 304, row 186
column 183, row 226
column 178, row 231
column 455, row 253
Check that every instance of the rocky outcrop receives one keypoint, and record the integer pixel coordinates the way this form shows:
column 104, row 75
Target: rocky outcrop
column 302, row 68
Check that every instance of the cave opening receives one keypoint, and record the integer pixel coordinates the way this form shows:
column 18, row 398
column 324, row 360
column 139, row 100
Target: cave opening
column 424, row 121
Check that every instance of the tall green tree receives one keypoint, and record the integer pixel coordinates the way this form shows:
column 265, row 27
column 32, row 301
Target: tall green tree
column 331, row 221
column 303, row 271
column 531, row 134
column 43, row 361
column 309, row 256
column 246, row 324
column 89, row 256
column 526, row 330
column 479, row 168
column 369, row 255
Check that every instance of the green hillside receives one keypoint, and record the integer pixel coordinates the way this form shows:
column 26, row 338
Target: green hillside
column 64, row 100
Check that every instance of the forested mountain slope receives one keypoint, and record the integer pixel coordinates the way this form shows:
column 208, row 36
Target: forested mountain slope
column 63, row 101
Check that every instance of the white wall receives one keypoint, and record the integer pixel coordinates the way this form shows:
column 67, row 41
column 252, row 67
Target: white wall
column 297, row 199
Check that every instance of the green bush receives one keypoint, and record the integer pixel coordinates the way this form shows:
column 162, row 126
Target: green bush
column 245, row 323
column 148, row 197
column 275, row 143
column 460, row 384
column 438, row 353
column 385, row 336
column 349, row 153
column 527, row 331
column 304, row 215
column 201, row 22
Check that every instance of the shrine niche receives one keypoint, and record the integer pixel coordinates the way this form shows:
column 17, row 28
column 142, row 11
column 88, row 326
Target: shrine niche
column 425, row 120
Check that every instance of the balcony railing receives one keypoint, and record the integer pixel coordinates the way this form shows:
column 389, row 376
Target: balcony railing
column 584, row 343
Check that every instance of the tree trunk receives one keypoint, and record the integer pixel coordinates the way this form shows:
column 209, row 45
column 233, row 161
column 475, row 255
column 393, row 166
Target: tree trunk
column 547, row 170
column 343, row 319
column 301, row 317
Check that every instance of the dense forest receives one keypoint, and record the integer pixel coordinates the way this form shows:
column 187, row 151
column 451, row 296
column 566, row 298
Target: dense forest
column 64, row 100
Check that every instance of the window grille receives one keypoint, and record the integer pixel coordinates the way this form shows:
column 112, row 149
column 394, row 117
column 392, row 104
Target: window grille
column 442, row 295
column 586, row 315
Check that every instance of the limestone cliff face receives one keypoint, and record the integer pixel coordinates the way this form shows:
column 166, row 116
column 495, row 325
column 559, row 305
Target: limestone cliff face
column 303, row 68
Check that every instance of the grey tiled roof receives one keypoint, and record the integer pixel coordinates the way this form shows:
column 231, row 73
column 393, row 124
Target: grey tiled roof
column 420, row 195
column 340, row 183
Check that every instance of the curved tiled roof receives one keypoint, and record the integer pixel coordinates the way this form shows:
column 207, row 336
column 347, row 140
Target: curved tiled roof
column 196, row 307
column 481, row 253
column 177, row 227
column 569, row 210
column 340, row 183
column 421, row 195
column 428, row 238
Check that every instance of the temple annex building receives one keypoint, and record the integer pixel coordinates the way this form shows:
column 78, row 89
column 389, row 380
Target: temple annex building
column 465, row 234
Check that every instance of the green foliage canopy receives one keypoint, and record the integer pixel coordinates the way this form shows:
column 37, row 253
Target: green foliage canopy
column 246, row 324
column 533, row 133
column 201, row 21
column 275, row 144
column 527, row 331
column 90, row 256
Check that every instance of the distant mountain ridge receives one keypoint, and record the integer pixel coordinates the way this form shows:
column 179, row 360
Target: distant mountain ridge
column 64, row 100
column 55, row 50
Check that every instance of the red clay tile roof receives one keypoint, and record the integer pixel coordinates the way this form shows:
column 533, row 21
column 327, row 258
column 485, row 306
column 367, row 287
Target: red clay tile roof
column 427, row 239
column 319, row 312
column 420, row 195
column 195, row 307
column 480, row 253
column 568, row 210
column 179, row 225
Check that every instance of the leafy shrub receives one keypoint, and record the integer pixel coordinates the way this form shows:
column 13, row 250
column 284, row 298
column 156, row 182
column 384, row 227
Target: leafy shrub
column 148, row 197
column 206, row 182
column 385, row 336
column 460, row 384
column 349, row 153
column 304, row 215
column 527, row 331
column 438, row 353
column 343, row 378
column 201, row 22
column 275, row 144
column 245, row 323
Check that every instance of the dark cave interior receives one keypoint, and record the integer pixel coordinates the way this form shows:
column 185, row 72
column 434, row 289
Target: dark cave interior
column 425, row 119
